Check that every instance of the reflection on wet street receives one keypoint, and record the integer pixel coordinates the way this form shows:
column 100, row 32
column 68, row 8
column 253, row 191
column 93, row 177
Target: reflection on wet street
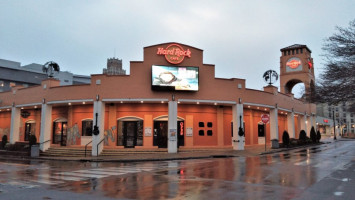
column 284, row 175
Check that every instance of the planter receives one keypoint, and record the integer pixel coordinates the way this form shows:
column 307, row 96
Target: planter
column 34, row 151
column 275, row 144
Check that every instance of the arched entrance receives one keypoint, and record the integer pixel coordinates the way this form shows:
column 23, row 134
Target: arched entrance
column 160, row 136
column 130, row 132
column 60, row 130
column 30, row 128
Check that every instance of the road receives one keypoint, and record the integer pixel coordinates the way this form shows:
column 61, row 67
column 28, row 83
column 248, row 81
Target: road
column 320, row 172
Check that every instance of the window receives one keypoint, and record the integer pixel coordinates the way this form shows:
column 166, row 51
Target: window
column 209, row 124
column 293, row 51
column 288, row 52
column 284, row 53
column 87, row 126
column 301, row 50
column 209, row 132
column 344, row 115
column 201, row 124
column 201, row 132
column 296, row 51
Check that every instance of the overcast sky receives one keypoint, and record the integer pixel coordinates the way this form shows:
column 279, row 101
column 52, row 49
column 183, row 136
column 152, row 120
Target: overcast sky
column 241, row 38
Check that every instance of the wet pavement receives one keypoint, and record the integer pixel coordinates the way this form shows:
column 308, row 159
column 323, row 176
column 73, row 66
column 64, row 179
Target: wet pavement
column 317, row 172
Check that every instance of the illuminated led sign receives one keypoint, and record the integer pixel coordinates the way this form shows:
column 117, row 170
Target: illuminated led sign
column 325, row 120
column 173, row 78
column 174, row 53
column 293, row 64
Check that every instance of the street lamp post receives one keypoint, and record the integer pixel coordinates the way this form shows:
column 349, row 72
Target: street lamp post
column 335, row 137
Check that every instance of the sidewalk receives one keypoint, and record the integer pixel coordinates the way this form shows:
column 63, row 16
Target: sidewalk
column 254, row 150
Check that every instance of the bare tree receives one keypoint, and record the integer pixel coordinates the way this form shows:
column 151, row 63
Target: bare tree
column 338, row 79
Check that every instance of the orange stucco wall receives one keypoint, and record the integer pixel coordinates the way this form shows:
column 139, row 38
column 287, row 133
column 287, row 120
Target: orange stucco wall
column 5, row 123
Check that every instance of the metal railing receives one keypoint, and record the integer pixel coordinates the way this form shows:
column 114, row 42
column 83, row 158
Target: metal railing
column 44, row 142
column 87, row 146
column 97, row 147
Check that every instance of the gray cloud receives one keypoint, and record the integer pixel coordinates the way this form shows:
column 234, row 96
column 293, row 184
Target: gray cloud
column 242, row 38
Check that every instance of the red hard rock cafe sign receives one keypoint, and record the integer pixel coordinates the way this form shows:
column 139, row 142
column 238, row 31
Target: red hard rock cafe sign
column 174, row 53
column 293, row 63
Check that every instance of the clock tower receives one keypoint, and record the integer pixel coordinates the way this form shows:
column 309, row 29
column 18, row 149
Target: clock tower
column 296, row 66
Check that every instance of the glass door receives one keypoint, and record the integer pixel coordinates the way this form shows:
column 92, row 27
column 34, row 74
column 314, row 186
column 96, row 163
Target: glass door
column 60, row 133
column 29, row 129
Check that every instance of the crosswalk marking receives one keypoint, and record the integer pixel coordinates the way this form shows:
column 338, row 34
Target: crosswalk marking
column 83, row 175
column 100, row 172
column 47, row 182
column 66, row 178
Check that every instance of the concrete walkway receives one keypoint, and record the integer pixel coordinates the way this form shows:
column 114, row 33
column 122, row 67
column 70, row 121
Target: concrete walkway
column 254, row 150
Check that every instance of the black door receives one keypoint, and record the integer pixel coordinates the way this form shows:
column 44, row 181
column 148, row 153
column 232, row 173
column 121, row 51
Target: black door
column 129, row 134
column 29, row 129
column 181, row 134
column 261, row 130
column 60, row 133
column 160, row 137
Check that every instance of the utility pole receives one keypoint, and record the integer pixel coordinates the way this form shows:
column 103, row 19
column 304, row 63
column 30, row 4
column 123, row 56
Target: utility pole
column 335, row 137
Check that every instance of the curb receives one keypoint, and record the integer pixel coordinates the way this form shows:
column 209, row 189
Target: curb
column 292, row 148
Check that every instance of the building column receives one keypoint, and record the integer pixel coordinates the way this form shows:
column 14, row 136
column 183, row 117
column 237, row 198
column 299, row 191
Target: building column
column 309, row 126
column 46, row 125
column 304, row 123
column 291, row 124
column 274, row 127
column 314, row 122
column 220, row 123
column 15, row 125
column 274, row 124
column 99, row 109
column 172, row 127
column 238, row 142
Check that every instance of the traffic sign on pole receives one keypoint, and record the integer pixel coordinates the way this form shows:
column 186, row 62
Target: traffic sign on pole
column 265, row 118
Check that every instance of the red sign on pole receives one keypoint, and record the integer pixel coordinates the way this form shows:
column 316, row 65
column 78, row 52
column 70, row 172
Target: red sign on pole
column 265, row 118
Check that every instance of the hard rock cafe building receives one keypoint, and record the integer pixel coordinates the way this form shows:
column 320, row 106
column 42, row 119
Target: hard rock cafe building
column 170, row 100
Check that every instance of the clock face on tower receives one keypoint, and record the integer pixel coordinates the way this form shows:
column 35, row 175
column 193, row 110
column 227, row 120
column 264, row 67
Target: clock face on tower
column 293, row 64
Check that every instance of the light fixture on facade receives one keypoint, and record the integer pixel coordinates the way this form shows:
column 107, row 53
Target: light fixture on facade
column 162, row 101
column 257, row 107
column 141, row 101
column 121, row 102
column 35, row 106
column 8, row 109
column 265, row 109
column 0, row 110
column 178, row 101
column 83, row 102
column 198, row 102
column 21, row 108
column 248, row 106
column 215, row 104
column 285, row 113
column 282, row 112
column 69, row 104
